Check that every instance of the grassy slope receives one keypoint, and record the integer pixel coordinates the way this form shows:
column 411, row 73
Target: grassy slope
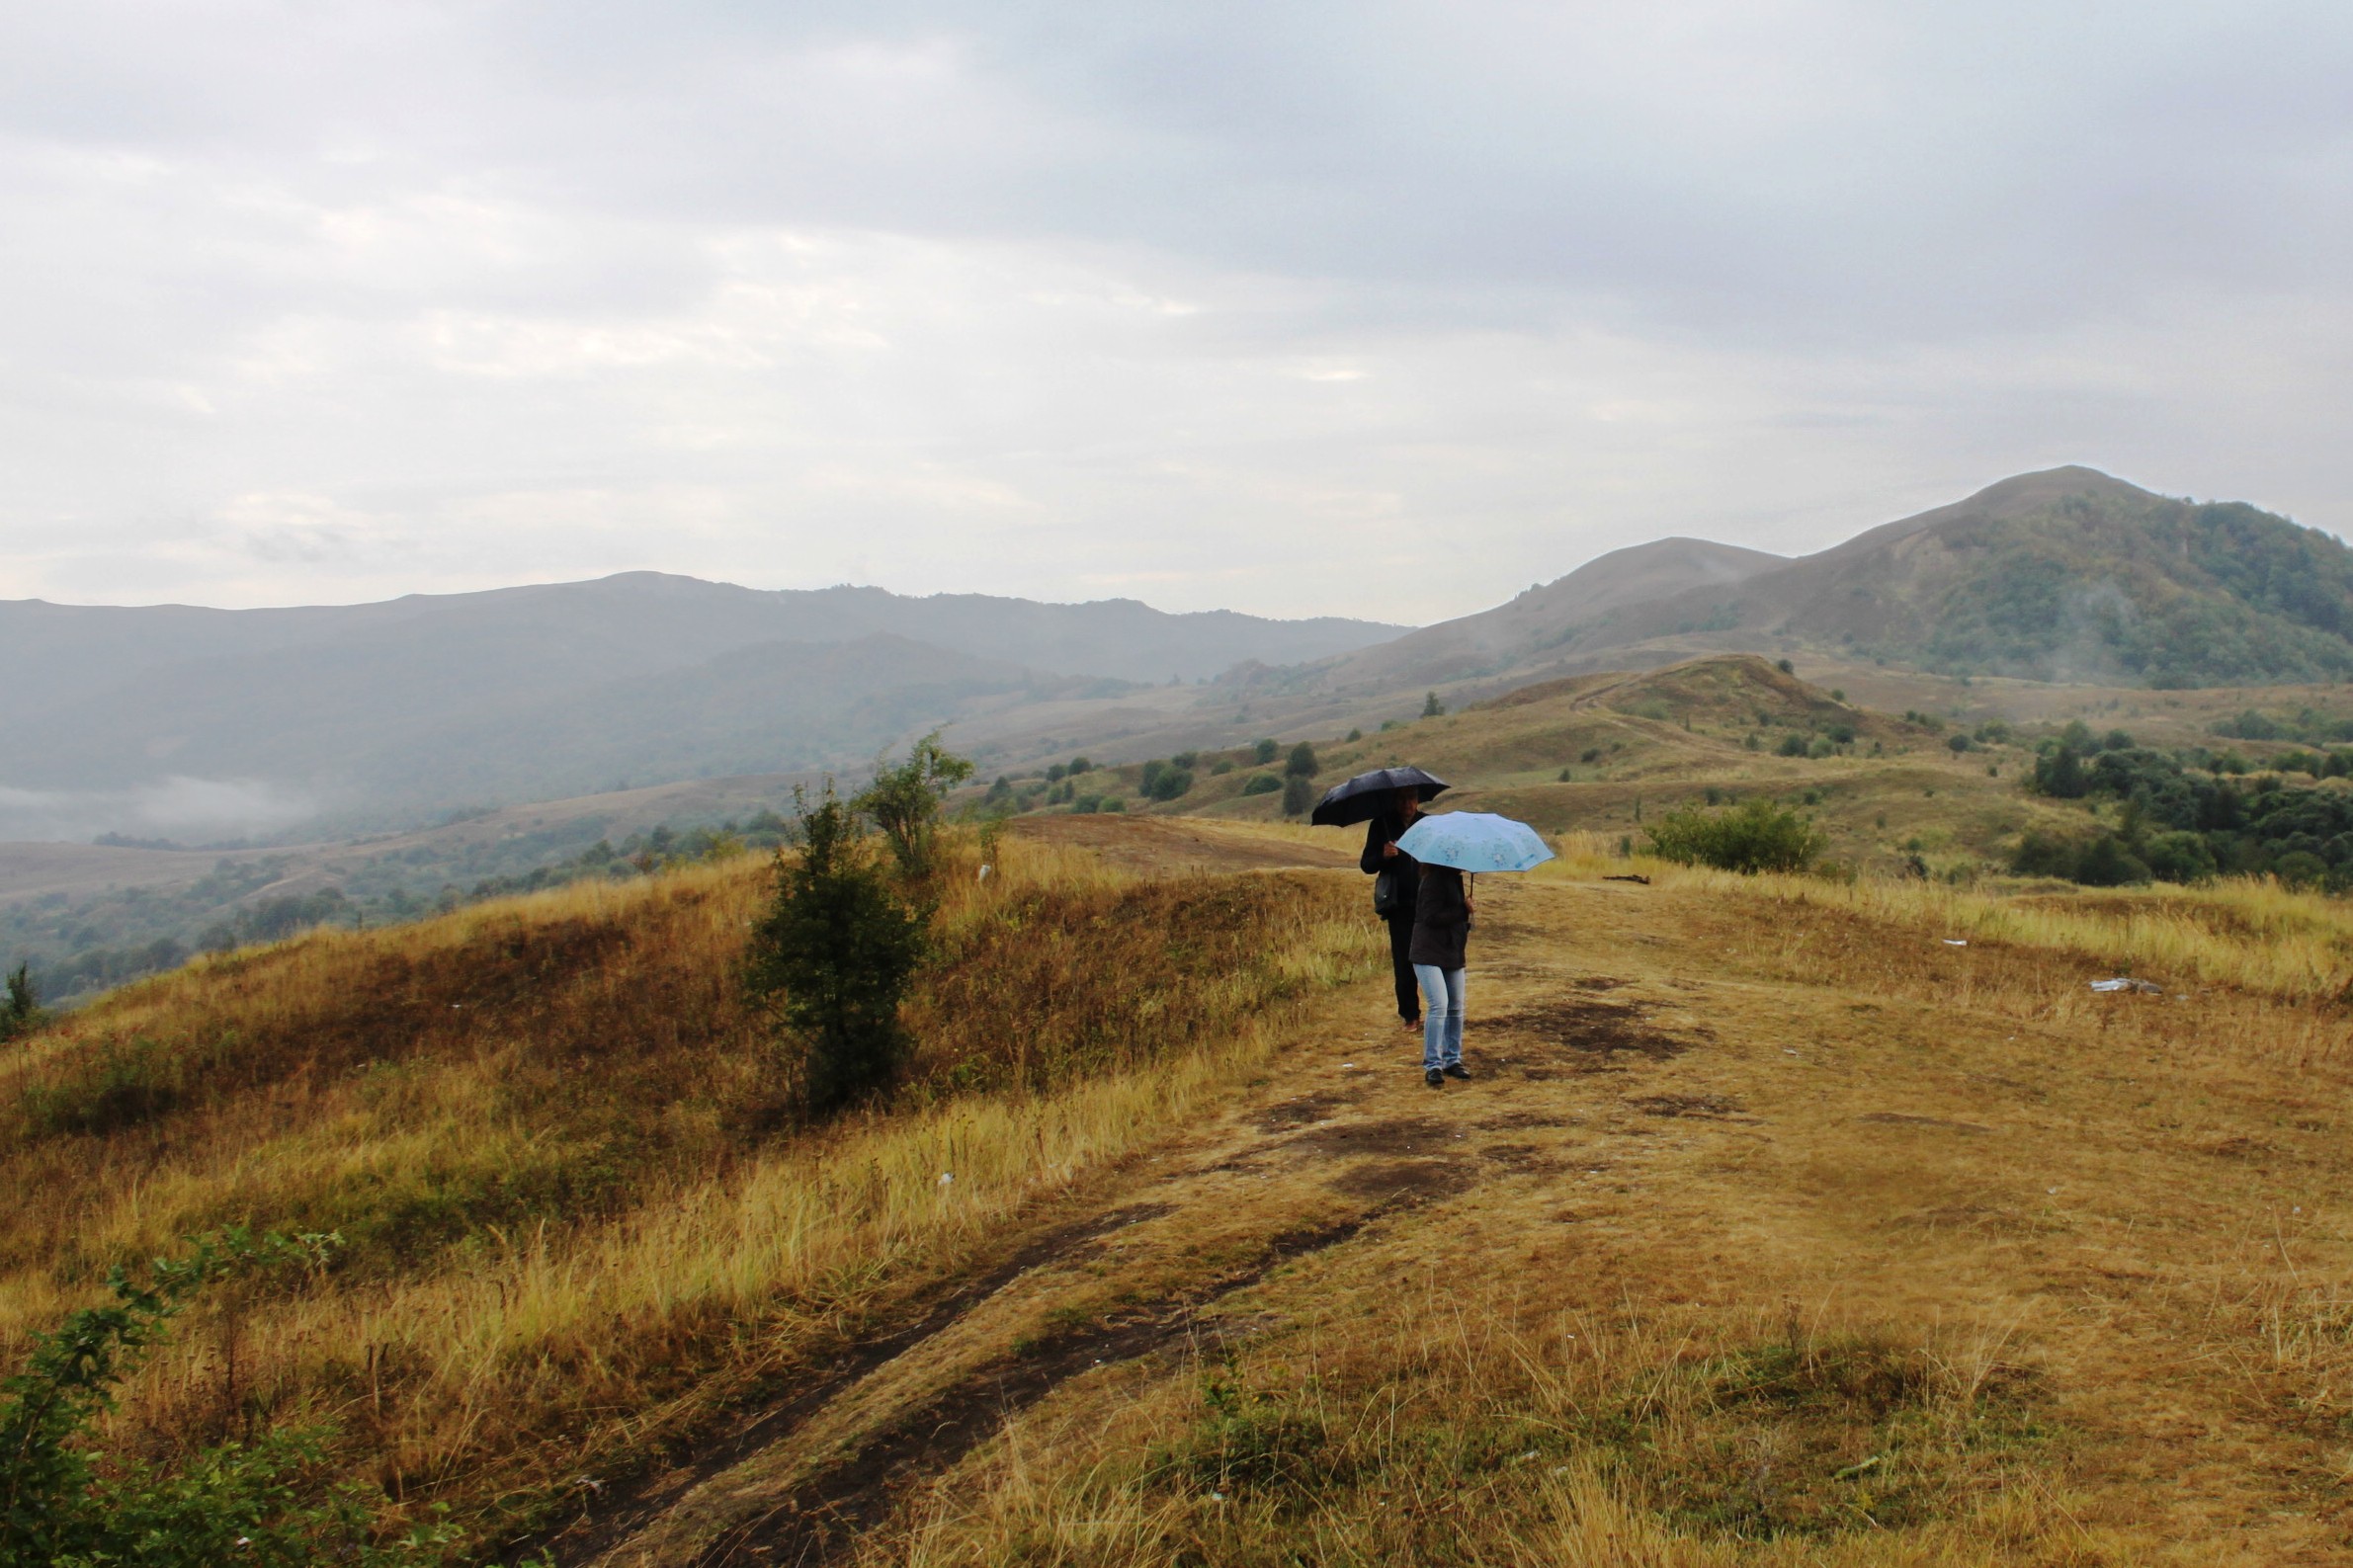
column 575, row 1225
column 1775, row 1229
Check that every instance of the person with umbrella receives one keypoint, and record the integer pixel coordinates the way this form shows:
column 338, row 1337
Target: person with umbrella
column 1387, row 801
column 1450, row 848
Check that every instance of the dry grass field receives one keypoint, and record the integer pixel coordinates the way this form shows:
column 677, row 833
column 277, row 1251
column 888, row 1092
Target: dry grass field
column 574, row 1222
column 1786, row 1221
column 1775, row 1229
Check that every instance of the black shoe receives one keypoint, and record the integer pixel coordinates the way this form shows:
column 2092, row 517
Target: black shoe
column 1458, row 1071
column 1434, row 1078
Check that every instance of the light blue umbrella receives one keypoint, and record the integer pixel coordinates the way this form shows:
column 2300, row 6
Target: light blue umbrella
column 1474, row 840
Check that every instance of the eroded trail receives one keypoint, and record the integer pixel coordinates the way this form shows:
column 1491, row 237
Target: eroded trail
column 1710, row 1112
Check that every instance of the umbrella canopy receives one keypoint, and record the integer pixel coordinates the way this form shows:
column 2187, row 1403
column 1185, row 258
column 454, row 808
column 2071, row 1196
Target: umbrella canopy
column 1366, row 796
column 1474, row 840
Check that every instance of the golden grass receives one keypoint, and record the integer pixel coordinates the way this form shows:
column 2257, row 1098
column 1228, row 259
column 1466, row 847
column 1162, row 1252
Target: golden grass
column 1687, row 1440
column 1774, row 1231
column 547, row 1128
column 1775, row 1228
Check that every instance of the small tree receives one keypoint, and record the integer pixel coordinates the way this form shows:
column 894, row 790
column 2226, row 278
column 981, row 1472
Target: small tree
column 1301, row 763
column 1299, row 796
column 20, row 1009
column 1265, row 751
column 1431, row 706
column 833, row 957
column 904, row 801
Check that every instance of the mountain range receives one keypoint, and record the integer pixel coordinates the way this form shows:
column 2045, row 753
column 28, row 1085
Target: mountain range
column 372, row 714
column 2062, row 575
column 381, row 714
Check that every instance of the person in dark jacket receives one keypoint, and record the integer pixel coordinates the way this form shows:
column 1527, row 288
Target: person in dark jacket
column 1441, row 933
column 1382, row 855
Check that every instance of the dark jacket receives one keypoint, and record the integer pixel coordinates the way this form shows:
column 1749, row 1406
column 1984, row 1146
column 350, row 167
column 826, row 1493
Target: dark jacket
column 1441, row 919
column 1382, row 831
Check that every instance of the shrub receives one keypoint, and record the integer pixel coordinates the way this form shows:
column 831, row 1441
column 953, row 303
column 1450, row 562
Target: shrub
column 904, row 801
column 1841, row 734
column 1754, row 836
column 1299, row 796
column 1263, row 783
column 1432, row 708
column 1167, row 781
column 1785, row 667
column 2178, row 858
column 1355, row 734
column 1301, row 761
column 2059, row 773
column 1079, row 764
column 1220, row 767
column 1792, row 744
column 1264, row 752
column 20, row 1007
column 63, row 1499
column 833, row 956
column 1958, row 743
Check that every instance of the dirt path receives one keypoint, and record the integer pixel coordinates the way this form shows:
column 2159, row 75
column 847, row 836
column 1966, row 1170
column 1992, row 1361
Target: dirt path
column 1727, row 1105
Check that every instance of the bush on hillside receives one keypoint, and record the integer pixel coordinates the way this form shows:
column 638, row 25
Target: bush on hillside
column 904, row 801
column 1301, row 763
column 64, row 1498
column 1165, row 780
column 1264, row 752
column 1262, row 784
column 1299, row 796
column 1754, row 836
column 833, row 956
column 20, row 1009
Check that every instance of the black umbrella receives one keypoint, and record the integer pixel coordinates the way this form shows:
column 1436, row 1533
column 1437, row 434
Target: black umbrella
column 1366, row 795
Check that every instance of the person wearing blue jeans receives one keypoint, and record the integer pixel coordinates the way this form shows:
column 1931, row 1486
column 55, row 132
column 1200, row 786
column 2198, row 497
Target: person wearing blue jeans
column 1441, row 934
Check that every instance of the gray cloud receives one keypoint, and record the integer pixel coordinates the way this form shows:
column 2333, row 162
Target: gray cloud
column 1374, row 308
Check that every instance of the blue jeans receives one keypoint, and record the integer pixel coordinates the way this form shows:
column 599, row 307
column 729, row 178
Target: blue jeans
column 1442, row 1015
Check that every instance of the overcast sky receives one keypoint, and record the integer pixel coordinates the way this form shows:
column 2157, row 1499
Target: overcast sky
column 1354, row 308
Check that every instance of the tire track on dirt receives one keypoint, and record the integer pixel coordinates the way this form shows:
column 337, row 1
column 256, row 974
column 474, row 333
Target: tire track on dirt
column 613, row 1519
column 833, row 1509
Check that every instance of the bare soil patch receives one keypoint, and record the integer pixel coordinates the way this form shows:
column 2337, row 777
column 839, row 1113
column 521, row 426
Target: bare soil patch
column 1396, row 1178
column 1897, row 1118
column 1304, row 1111
column 1395, row 1135
column 1591, row 1028
column 1697, row 1108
